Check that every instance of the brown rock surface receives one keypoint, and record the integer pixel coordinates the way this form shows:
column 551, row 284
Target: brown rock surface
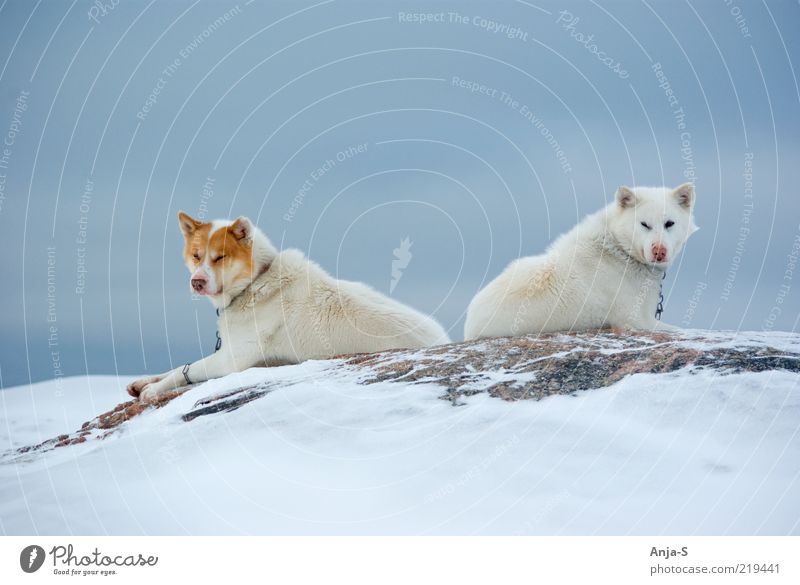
column 510, row 368
column 566, row 363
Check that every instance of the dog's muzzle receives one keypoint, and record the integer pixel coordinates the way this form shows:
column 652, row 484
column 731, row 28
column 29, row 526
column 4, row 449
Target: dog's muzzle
column 199, row 284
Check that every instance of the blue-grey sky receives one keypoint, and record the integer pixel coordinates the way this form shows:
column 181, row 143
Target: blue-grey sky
column 478, row 130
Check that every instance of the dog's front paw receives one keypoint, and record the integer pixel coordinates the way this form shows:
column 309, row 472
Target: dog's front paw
column 159, row 392
column 135, row 388
column 149, row 393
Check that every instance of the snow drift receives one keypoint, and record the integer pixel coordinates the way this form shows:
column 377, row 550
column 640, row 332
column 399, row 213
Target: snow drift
column 610, row 433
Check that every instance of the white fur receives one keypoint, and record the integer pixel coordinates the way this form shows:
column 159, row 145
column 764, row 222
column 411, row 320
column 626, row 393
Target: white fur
column 295, row 311
column 602, row 273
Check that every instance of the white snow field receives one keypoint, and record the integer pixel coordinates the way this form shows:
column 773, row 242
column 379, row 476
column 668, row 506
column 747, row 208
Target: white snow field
column 691, row 452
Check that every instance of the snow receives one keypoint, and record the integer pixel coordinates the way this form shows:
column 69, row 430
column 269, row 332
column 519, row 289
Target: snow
column 693, row 452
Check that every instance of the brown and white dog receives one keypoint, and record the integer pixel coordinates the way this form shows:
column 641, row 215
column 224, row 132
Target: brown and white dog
column 278, row 307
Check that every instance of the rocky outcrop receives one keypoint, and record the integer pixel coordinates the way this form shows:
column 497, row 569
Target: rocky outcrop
column 508, row 368
column 533, row 367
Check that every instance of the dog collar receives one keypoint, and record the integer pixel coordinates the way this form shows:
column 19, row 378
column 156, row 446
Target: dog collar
column 616, row 250
column 660, row 305
column 238, row 295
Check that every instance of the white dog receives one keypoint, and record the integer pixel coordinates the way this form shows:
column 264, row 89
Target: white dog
column 280, row 308
column 605, row 272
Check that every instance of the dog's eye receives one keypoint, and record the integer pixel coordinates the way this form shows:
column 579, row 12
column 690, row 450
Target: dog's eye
column 669, row 224
column 645, row 226
column 196, row 256
column 218, row 258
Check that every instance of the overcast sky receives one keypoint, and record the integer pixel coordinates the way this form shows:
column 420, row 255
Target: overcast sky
column 479, row 131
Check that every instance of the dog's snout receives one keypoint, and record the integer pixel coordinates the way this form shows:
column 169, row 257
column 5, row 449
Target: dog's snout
column 659, row 252
column 198, row 284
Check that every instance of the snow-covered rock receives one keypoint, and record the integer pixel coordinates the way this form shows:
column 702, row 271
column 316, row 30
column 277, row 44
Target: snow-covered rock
column 611, row 433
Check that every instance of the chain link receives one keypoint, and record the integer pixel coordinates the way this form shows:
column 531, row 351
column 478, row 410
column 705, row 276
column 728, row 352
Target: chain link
column 660, row 306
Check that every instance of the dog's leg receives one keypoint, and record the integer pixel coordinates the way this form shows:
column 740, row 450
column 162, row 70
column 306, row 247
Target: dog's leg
column 213, row 366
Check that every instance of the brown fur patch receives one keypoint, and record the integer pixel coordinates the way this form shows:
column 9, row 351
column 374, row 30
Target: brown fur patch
column 195, row 235
column 229, row 257
column 236, row 257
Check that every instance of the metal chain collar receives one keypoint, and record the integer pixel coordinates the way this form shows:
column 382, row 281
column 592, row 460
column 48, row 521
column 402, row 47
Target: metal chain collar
column 660, row 305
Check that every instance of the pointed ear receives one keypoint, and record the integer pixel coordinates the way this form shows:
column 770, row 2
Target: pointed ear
column 685, row 195
column 625, row 197
column 242, row 229
column 188, row 223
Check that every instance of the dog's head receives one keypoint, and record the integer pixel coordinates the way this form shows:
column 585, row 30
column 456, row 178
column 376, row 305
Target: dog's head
column 218, row 254
column 653, row 223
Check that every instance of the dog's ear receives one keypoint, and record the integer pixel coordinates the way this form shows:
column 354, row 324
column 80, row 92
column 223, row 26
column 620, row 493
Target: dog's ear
column 188, row 223
column 242, row 229
column 685, row 195
column 625, row 197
